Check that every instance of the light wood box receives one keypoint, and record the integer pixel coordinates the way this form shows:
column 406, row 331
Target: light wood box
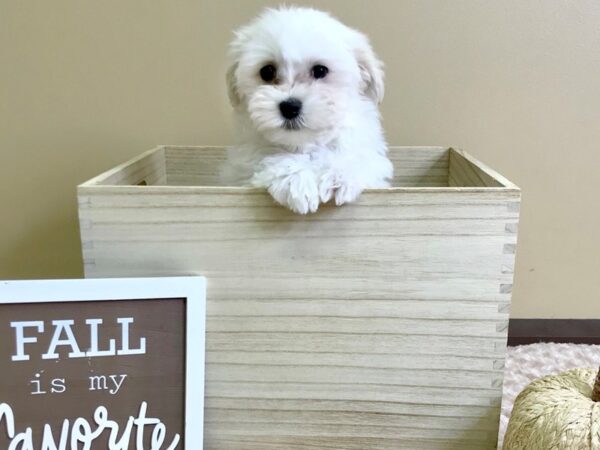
column 376, row 325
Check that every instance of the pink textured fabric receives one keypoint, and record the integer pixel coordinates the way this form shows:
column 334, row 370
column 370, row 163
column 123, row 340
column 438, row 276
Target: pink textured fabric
column 525, row 363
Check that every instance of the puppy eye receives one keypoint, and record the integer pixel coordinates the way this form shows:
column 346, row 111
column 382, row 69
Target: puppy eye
column 319, row 71
column 268, row 72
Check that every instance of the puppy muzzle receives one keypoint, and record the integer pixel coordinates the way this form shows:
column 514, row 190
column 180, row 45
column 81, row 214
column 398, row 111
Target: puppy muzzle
column 290, row 108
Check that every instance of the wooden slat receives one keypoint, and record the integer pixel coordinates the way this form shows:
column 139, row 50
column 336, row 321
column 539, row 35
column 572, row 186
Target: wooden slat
column 378, row 325
column 488, row 399
column 420, row 166
column 466, row 171
column 407, row 309
column 361, row 419
column 332, row 430
column 354, row 359
column 193, row 166
column 353, row 443
column 438, row 251
column 244, row 197
column 467, row 379
column 148, row 168
column 199, row 166
column 356, row 342
column 345, row 406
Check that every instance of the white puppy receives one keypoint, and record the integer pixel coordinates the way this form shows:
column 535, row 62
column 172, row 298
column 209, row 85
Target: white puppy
column 305, row 89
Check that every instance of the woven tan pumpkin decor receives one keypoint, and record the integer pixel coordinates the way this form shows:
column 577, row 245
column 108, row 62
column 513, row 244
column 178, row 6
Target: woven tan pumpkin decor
column 558, row 412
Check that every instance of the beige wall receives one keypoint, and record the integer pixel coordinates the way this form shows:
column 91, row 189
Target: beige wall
column 86, row 85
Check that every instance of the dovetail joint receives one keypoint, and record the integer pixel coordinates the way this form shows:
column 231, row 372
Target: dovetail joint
column 510, row 249
column 502, row 326
column 513, row 206
column 504, row 308
column 498, row 364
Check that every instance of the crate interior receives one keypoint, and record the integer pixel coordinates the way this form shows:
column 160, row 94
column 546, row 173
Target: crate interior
column 414, row 167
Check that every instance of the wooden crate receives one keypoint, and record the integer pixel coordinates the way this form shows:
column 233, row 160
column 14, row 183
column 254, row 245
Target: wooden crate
column 376, row 325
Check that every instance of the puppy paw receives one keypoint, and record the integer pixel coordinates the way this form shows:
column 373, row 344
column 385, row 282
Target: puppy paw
column 328, row 183
column 333, row 185
column 347, row 193
column 298, row 192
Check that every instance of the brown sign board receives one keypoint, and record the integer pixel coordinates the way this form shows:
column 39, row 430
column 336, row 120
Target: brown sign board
column 102, row 364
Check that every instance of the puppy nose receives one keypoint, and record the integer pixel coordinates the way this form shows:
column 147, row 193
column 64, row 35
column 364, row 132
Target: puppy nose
column 290, row 108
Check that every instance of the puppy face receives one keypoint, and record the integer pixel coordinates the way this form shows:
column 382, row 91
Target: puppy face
column 297, row 73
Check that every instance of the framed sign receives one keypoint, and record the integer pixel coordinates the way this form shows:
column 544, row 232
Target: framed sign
column 111, row 364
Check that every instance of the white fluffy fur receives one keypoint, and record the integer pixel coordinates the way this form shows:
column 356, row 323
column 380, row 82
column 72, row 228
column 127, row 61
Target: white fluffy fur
column 339, row 148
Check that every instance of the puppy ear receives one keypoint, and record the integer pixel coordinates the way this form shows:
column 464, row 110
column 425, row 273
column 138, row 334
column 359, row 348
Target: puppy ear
column 371, row 69
column 232, row 90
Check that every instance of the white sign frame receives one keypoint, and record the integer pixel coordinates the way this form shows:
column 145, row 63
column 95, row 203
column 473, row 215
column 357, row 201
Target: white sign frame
column 192, row 288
